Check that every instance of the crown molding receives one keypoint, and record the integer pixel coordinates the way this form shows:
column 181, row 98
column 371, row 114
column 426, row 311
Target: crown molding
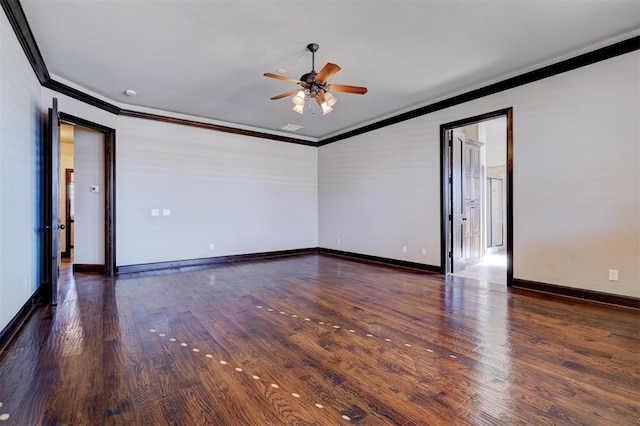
column 15, row 15
column 81, row 96
column 214, row 127
column 620, row 48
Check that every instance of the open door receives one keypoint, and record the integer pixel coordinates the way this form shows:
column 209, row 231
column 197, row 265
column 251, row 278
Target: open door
column 51, row 211
column 458, row 219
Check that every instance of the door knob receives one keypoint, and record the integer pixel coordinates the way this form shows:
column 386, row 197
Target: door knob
column 61, row 226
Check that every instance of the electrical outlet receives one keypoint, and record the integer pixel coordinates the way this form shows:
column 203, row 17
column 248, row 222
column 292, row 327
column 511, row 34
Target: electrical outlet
column 338, row 241
column 613, row 275
column 404, row 249
column 26, row 283
column 211, row 247
column 424, row 251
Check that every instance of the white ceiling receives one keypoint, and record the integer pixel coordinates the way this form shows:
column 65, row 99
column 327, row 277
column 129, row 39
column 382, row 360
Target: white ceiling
column 206, row 58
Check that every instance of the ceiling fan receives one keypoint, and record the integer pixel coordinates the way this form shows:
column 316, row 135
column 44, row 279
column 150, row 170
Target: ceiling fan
column 314, row 85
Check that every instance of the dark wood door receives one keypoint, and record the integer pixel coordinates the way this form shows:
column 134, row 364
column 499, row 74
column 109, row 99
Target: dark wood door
column 52, row 203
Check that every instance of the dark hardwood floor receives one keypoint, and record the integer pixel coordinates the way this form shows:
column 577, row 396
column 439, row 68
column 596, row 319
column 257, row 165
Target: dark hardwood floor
column 318, row 340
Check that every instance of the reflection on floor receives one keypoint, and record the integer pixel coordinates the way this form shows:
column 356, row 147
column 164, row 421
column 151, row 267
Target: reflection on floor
column 493, row 268
column 316, row 340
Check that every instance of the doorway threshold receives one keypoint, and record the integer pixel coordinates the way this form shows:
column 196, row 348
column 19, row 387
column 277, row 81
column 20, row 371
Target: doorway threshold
column 492, row 268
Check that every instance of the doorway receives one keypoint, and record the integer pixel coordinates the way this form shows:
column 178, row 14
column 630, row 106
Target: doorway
column 89, row 195
column 67, row 201
column 82, row 198
column 51, row 199
column 69, row 214
column 477, row 195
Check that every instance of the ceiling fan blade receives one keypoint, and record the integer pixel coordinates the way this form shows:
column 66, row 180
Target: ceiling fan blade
column 285, row 94
column 281, row 77
column 358, row 90
column 327, row 72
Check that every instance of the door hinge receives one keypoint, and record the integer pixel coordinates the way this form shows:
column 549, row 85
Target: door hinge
column 450, row 180
column 450, row 217
column 450, row 255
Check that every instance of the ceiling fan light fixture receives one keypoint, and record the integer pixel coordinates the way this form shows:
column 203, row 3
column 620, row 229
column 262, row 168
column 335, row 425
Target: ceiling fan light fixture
column 329, row 99
column 326, row 109
column 299, row 108
column 299, row 98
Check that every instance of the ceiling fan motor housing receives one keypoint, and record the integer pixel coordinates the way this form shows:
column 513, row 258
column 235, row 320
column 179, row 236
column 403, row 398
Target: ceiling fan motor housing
column 312, row 87
column 309, row 77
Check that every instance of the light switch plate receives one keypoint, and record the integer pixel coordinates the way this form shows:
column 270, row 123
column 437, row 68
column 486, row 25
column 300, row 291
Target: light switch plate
column 95, row 188
column 166, row 212
column 155, row 212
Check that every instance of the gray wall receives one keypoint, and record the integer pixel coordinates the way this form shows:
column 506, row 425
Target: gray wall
column 88, row 156
column 241, row 194
column 576, row 182
column 20, row 135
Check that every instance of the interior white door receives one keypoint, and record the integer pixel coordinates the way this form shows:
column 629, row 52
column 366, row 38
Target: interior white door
column 472, row 191
column 458, row 217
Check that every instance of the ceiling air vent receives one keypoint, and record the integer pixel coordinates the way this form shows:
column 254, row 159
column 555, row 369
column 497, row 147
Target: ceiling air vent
column 291, row 127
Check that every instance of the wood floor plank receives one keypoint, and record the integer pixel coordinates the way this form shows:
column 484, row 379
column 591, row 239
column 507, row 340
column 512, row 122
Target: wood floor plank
column 318, row 340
